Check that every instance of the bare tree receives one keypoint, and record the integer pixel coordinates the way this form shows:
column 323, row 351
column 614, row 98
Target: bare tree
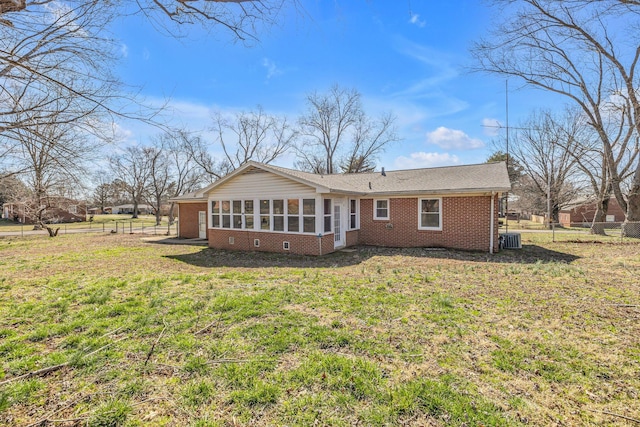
column 370, row 137
column 253, row 135
column 102, row 196
column 542, row 146
column 187, row 175
column 585, row 51
column 591, row 158
column 57, row 52
column 132, row 168
column 241, row 17
column 338, row 135
column 160, row 182
column 53, row 158
column 66, row 48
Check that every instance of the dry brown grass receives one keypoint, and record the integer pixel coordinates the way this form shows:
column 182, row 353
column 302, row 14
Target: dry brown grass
column 549, row 335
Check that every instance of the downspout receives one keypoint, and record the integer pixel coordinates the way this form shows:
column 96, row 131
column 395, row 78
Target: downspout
column 492, row 222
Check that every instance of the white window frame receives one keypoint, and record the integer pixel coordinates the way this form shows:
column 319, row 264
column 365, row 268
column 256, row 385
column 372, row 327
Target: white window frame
column 439, row 227
column 256, row 214
column 327, row 215
column 375, row 209
column 356, row 214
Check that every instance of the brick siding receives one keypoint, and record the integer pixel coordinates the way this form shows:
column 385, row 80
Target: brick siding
column 353, row 237
column 243, row 240
column 465, row 224
column 188, row 219
column 585, row 213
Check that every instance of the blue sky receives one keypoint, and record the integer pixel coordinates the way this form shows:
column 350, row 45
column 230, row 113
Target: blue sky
column 407, row 57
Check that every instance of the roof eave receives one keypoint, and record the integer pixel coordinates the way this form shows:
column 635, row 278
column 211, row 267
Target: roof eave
column 440, row 191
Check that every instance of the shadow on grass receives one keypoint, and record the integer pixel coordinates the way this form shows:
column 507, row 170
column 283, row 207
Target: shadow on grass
column 529, row 254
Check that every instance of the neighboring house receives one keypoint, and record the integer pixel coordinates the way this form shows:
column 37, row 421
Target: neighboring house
column 60, row 210
column 274, row 209
column 582, row 213
column 128, row 209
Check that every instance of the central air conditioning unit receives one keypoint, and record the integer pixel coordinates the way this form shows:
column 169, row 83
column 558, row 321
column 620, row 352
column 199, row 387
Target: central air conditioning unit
column 510, row 241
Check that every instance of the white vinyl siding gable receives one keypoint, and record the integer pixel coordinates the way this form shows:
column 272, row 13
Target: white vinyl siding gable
column 263, row 185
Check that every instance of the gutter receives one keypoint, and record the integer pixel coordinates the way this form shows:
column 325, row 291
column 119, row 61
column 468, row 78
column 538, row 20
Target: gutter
column 492, row 222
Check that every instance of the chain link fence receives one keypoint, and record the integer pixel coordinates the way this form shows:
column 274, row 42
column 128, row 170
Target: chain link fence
column 578, row 232
column 112, row 227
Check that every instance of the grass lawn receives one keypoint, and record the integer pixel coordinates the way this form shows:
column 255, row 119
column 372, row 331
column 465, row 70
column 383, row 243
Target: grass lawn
column 140, row 333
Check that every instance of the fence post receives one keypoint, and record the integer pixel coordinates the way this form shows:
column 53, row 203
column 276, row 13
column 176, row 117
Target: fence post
column 130, row 227
column 65, row 229
column 103, row 227
column 22, row 229
column 553, row 231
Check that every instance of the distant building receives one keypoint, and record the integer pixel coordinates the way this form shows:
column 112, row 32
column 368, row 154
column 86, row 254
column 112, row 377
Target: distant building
column 582, row 212
column 59, row 210
column 128, row 209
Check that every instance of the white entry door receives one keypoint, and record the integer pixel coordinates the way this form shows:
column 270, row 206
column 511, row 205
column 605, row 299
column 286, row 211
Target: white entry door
column 202, row 224
column 338, row 225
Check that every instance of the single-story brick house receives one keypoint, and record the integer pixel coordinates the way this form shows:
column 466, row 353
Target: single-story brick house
column 59, row 210
column 269, row 208
column 582, row 213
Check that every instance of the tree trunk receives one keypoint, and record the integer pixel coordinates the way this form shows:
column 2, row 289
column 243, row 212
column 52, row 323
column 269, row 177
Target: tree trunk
column 52, row 232
column 631, row 225
column 600, row 217
column 135, row 208
column 170, row 216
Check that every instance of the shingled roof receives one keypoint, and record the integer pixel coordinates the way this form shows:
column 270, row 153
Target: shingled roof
column 479, row 178
column 451, row 179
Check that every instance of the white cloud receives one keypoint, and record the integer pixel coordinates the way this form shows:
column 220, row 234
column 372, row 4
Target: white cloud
column 124, row 50
column 451, row 139
column 415, row 20
column 272, row 68
column 120, row 133
column 425, row 160
column 491, row 126
column 146, row 54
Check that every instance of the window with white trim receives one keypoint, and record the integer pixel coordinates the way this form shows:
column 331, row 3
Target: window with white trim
column 293, row 215
column 278, row 215
column 265, row 215
column 309, row 215
column 327, row 215
column 215, row 214
column 248, row 214
column 237, row 213
column 430, row 214
column 381, row 209
column 353, row 214
column 284, row 215
column 226, row 214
